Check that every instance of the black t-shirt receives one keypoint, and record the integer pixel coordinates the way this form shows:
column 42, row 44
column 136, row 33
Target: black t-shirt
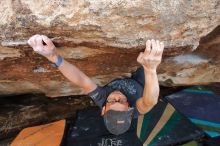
column 89, row 130
column 128, row 86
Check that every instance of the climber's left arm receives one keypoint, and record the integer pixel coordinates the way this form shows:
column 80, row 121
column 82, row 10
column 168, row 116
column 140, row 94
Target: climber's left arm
column 150, row 59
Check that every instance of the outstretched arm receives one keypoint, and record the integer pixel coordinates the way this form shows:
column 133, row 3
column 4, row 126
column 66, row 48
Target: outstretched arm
column 150, row 59
column 70, row 71
column 76, row 76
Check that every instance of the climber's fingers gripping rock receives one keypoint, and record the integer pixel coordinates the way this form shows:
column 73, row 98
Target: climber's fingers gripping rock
column 43, row 45
column 151, row 57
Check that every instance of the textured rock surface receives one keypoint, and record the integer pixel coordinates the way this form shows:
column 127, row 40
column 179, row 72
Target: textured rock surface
column 201, row 66
column 103, row 38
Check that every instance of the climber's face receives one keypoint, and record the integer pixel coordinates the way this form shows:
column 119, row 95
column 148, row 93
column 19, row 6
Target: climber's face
column 117, row 114
column 116, row 101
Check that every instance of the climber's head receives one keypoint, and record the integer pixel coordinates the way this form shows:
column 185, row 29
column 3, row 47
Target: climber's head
column 117, row 113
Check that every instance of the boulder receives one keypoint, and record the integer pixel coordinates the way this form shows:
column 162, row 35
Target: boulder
column 103, row 38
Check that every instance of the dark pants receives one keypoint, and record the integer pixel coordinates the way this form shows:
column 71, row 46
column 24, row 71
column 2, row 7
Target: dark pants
column 138, row 75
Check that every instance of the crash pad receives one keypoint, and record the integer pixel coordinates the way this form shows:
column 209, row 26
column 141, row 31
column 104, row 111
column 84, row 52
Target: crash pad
column 43, row 135
column 201, row 106
column 163, row 125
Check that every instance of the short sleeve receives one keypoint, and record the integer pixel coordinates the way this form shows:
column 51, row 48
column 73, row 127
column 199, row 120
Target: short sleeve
column 99, row 96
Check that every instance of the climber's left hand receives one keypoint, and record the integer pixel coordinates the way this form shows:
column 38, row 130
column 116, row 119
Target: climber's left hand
column 151, row 57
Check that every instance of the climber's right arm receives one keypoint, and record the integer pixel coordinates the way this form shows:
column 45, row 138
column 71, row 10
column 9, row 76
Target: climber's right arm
column 70, row 71
column 76, row 76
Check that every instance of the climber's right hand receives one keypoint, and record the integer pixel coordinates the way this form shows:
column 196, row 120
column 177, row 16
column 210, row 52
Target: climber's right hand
column 44, row 46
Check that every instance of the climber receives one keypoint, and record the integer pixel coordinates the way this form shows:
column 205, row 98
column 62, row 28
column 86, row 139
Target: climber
column 121, row 99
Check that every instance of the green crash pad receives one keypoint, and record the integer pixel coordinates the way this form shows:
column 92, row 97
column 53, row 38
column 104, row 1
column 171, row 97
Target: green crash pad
column 201, row 106
column 163, row 125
